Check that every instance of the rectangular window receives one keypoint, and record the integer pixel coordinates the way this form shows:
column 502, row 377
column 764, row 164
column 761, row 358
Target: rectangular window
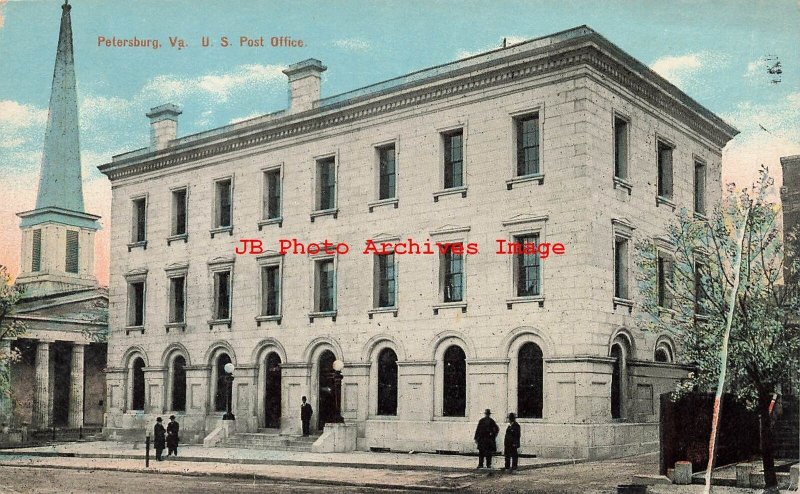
column 528, row 145
column 386, row 156
column 664, row 170
column 664, row 281
column 222, row 295
column 453, row 159
column 620, row 148
column 385, row 281
column 36, row 252
column 326, row 286
column 177, row 299
column 528, row 266
column 270, row 290
column 621, row 267
column 699, row 187
column 139, row 219
column 72, row 255
column 272, row 194
column 452, row 276
column 223, row 202
column 136, row 303
column 179, row 212
column 326, row 183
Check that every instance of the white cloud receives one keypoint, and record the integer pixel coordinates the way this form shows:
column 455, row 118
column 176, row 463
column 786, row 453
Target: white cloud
column 219, row 86
column 510, row 40
column 14, row 115
column 687, row 70
column 352, row 44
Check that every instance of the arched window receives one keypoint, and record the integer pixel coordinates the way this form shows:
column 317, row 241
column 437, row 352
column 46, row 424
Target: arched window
column 616, row 381
column 137, row 399
column 663, row 352
column 223, row 386
column 179, row 384
column 530, row 373
column 455, row 383
column 387, row 382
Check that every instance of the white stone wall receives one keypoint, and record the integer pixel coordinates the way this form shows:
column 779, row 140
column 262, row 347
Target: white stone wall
column 573, row 325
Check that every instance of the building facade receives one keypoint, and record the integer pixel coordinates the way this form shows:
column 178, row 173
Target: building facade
column 563, row 139
column 59, row 379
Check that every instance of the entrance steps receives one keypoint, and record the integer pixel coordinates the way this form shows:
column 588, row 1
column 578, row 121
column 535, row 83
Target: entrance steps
column 268, row 441
column 64, row 434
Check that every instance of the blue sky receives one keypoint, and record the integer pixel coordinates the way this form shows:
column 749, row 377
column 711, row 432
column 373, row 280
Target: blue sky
column 715, row 51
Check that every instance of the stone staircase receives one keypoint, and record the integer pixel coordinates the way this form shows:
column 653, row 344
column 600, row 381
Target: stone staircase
column 268, row 441
column 64, row 434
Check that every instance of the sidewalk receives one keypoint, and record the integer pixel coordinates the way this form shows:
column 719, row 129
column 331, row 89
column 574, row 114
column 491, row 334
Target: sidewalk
column 198, row 454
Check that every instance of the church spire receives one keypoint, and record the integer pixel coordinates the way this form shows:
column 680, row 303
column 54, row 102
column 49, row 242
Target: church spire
column 60, row 179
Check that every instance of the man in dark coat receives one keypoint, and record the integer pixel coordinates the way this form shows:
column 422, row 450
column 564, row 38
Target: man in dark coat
column 305, row 416
column 485, row 435
column 172, row 436
column 511, row 443
column 158, row 438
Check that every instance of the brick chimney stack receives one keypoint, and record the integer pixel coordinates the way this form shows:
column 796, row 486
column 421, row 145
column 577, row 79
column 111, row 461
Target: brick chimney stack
column 304, row 84
column 163, row 125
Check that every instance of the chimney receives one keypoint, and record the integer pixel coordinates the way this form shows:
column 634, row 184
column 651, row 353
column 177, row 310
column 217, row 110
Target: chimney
column 304, row 84
column 163, row 125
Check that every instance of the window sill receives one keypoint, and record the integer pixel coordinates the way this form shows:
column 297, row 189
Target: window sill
column 450, row 305
column 324, row 212
column 535, row 177
column 444, row 418
column 276, row 318
column 221, row 229
column 699, row 216
column 665, row 201
column 624, row 302
column 317, row 315
column 180, row 236
column 702, row 317
column 449, row 192
column 175, row 325
column 392, row 201
column 539, row 299
column 271, row 221
column 128, row 329
column 136, row 245
column 219, row 322
column 382, row 310
column 621, row 183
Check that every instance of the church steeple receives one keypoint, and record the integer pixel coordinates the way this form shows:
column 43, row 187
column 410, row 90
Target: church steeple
column 58, row 236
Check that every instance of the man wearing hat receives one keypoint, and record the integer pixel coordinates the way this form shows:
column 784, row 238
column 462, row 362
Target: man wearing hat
column 158, row 438
column 172, row 436
column 511, row 443
column 485, row 436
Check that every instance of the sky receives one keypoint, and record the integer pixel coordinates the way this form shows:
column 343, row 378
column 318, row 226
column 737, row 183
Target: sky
column 718, row 52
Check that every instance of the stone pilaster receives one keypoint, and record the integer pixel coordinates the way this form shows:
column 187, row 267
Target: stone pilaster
column 41, row 398
column 76, row 386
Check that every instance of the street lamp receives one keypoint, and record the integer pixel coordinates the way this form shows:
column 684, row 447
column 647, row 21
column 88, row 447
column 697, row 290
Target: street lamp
column 229, row 368
column 338, row 365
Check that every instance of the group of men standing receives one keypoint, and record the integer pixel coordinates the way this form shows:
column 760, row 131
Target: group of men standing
column 168, row 437
column 485, row 435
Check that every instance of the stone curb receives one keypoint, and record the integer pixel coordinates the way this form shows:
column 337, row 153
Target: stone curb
column 254, row 461
column 248, row 476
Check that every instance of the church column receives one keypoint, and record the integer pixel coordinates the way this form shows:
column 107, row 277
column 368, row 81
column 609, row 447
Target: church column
column 76, row 386
column 5, row 375
column 41, row 397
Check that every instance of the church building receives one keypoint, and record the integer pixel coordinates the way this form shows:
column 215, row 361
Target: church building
column 60, row 379
column 564, row 139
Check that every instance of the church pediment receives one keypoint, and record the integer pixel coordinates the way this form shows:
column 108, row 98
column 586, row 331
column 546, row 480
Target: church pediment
column 89, row 306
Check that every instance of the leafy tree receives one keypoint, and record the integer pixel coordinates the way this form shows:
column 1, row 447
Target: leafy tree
column 9, row 329
column 697, row 260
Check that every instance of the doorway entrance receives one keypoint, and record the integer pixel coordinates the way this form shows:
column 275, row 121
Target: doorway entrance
column 272, row 392
column 327, row 401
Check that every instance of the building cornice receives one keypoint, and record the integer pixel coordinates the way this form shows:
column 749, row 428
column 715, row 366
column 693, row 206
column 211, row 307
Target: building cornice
column 591, row 51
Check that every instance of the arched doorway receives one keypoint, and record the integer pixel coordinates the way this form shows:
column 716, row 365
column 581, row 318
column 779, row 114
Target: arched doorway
column 616, row 382
column 327, row 401
column 454, row 403
column 137, row 395
column 224, row 387
column 530, row 396
column 179, row 384
column 272, row 392
column 387, row 382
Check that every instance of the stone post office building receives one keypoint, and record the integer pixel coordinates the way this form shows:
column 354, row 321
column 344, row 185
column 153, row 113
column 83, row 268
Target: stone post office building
column 564, row 138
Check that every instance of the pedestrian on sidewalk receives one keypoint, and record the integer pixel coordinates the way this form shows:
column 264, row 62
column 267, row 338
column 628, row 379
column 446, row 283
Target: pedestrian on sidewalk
column 485, row 435
column 305, row 416
column 511, row 443
column 158, row 438
column 172, row 436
